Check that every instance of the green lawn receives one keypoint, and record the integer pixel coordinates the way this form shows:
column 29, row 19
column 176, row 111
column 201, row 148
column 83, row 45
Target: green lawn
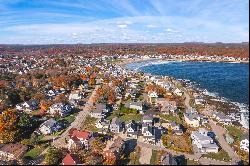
column 234, row 131
column 128, row 117
column 171, row 118
column 33, row 153
column 89, row 124
column 154, row 157
column 221, row 155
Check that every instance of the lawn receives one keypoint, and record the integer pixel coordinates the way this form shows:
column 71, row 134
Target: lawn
column 171, row 118
column 221, row 155
column 234, row 131
column 192, row 162
column 33, row 153
column 128, row 117
column 178, row 143
column 89, row 124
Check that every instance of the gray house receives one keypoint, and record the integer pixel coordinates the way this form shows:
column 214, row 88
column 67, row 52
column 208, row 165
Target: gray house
column 131, row 129
column 115, row 125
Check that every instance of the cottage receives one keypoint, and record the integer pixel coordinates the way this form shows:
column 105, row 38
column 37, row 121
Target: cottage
column 178, row 92
column 203, row 142
column 135, row 105
column 71, row 159
column 115, row 125
column 152, row 95
column 76, row 95
column 28, row 106
column 221, row 118
column 12, row 151
column 49, row 127
column 78, row 139
column 244, row 142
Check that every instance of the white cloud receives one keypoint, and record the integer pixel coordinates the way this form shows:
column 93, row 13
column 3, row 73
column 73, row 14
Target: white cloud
column 151, row 26
column 122, row 25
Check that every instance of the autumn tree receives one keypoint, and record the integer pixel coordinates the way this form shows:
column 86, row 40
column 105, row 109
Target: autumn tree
column 54, row 156
column 8, row 126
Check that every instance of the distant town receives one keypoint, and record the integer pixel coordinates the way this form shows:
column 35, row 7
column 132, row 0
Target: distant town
column 79, row 104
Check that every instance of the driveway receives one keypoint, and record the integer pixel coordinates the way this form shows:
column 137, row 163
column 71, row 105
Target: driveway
column 145, row 155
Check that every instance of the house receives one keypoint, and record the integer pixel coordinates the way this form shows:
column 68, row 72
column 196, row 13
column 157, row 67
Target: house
column 152, row 95
column 60, row 109
column 115, row 125
column 76, row 95
column 166, row 106
column 135, row 105
column 192, row 120
column 221, row 118
column 116, row 150
column 178, row 92
column 12, row 151
column 168, row 159
column 148, row 133
column 49, row 127
column 97, row 114
column 101, row 106
column 78, row 139
column 244, row 142
column 176, row 128
column 147, row 119
column 203, row 142
column 102, row 125
column 28, row 106
column 131, row 130
column 71, row 159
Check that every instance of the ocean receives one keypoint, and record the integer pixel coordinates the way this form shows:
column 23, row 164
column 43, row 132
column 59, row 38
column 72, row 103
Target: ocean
column 227, row 80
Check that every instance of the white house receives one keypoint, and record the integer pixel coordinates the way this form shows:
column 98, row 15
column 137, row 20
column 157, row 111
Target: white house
column 48, row 127
column 244, row 143
column 178, row 92
column 203, row 142
column 60, row 109
column 76, row 95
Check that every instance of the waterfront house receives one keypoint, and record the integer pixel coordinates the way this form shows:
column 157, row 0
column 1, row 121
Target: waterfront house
column 221, row 118
column 71, row 159
column 244, row 143
column 203, row 142
column 49, row 127
column 152, row 95
column 115, row 125
column 12, row 151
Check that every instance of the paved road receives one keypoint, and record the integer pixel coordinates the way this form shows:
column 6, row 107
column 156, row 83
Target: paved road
column 219, row 132
column 78, row 122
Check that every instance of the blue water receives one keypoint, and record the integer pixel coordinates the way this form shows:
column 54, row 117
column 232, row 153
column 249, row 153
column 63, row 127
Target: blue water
column 228, row 80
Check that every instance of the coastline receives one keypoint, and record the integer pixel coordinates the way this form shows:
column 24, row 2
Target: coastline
column 228, row 106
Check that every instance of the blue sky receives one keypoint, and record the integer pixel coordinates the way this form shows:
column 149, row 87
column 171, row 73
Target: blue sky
column 123, row 21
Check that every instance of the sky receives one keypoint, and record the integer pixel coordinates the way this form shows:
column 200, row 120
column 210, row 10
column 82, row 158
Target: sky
column 123, row 21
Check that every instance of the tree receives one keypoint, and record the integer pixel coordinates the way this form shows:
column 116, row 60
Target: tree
column 25, row 121
column 53, row 156
column 8, row 126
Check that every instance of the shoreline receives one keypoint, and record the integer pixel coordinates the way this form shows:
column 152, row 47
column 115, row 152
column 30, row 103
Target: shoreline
column 234, row 107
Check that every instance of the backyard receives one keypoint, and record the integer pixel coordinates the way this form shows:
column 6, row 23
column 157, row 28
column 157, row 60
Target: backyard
column 221, row 155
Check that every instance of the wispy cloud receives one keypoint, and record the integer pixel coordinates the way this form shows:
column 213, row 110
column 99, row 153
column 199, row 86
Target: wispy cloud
column 49, row 21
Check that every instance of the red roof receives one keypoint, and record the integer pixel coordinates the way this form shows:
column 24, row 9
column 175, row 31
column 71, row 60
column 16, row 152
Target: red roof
column 68, row 160
column 80, row 134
